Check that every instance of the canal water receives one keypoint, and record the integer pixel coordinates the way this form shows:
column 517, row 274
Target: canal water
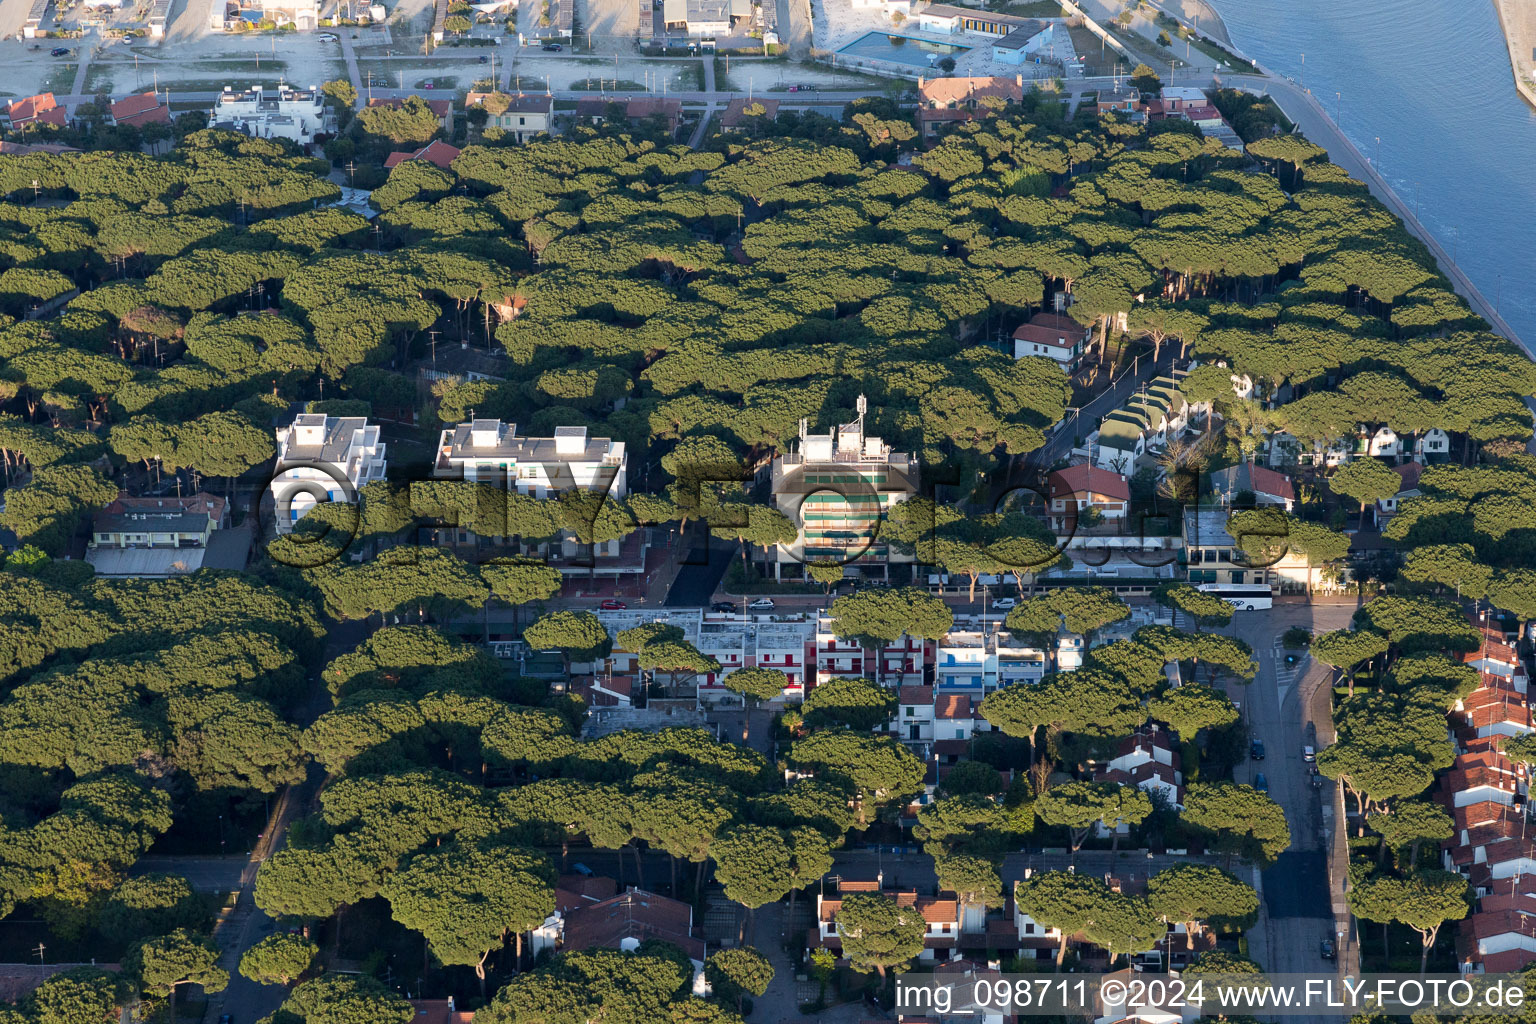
column 1430, row 79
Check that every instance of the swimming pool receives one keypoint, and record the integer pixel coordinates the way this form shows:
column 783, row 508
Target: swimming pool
column 900, row 49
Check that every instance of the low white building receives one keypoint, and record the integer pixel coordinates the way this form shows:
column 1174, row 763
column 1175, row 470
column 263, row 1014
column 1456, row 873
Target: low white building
column 491, row 452
column 281, row 113
column 1024, row 41
column 317, row 455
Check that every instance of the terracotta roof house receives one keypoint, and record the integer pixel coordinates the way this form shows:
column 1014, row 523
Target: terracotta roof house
column 443, row 109
column 1085, row 486
column 940, row 914
column 627, row 920
column 1268, row 487
column 145, row 108
column 736, row 116
column 943, row 101
column 39, row 109
column 669, row 110
column 437, row 152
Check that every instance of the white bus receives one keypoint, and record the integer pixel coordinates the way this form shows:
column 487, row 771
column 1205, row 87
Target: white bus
column 1245, row 597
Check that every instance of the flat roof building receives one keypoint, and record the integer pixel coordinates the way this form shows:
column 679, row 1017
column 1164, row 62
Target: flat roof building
column 837, row 488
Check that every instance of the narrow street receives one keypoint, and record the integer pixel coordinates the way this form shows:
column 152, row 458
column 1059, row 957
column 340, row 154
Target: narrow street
column 1298, row 909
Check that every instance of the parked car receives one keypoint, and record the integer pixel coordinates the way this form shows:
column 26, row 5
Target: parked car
column 484, row 59
column 59, row 51
column 613, row 605
column 1308, row 753
column 426, row 85
column 551, row 47
column 1326, row 948
column 723, row 606
column 762, row 604
column 1002, row 604
column 1256, row 750
column 581, row 869
column 1260, row 783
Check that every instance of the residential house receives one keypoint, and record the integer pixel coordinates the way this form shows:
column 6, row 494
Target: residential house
column 1205, row 116
column 437, row 153
column 1434, row 445
column 1148, row 420
column 1496, row 660
column 965, row 660
column 941, row 915
column 1482, row 776
column 1064, row 347
column 140, row 110
column 524, row 116
column 1211, row 555
column 837, row 488
column 952, row 20
column 1490, row 840
column 283, row 113
column 914, row 714
column 899, row 663
column 1149, row 761
column 1024, row 40
column 1018, row 662
column 1492, row 710
column 741, row 113
column 706, row 18
column 440, row 1011
column 954, row 718
column 667, row 109
column 1122, row 99
column 158, row 537
column 942, row 101
column 34, row 110
column 1035, row 940
column 1267, row 486
column 1076, row 489
column 491, row 451
column 1499, row 936
column 1409, row 488
column 334, row 456
column 1070, row 650
column 441, row 109
column 1178, row 98
column 633, row 917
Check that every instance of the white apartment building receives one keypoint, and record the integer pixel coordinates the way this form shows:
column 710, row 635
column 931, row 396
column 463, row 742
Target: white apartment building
column 319, row 454
column 491, row 452
column 838, row 488
column 283, row 113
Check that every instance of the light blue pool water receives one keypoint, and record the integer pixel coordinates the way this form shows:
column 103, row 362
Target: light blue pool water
column 900, row 49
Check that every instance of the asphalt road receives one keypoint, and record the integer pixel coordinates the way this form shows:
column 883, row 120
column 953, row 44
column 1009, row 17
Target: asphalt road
column 1297, row 912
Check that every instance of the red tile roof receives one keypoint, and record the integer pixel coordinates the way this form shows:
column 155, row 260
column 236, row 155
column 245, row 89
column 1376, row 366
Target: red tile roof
column 435, row 1011
column 30, row 108
column 1039, row 335
column 1057, row 322
column 144, row 108
column 1409, row 471
column 952, row 705
column 1088, row 479
column 437, row 153
column 637, row 914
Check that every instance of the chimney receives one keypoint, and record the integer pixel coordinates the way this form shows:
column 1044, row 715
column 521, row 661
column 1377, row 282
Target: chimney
column 1020, row 80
